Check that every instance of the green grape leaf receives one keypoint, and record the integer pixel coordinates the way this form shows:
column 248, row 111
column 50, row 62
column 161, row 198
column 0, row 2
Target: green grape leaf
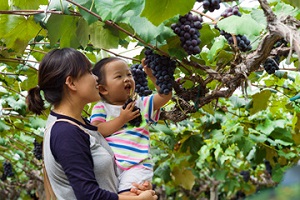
column 147, row 34
column 63, row 28
column 184, row 177
column 17, row 31
column 240, row 25
column 59, row 5
column 158, row 11
column 3, row 126
column 4, row 5
column 295, row 3
column 28, row 4
column 82, row 32
column 260, row 101
column 102, row 37
column 89, row 5
column 119, row 10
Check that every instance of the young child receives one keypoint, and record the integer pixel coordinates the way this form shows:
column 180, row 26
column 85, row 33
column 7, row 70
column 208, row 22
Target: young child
column 130, row 144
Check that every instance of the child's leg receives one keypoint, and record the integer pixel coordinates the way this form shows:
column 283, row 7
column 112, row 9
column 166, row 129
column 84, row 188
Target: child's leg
column 134, row 175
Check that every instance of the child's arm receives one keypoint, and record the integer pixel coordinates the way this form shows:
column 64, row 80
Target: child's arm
column 109, row 127
column 159, row 100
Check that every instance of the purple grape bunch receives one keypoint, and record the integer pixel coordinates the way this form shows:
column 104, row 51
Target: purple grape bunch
column 187, row 28
column 210, row 5
column 140, row 78
column 163, row 69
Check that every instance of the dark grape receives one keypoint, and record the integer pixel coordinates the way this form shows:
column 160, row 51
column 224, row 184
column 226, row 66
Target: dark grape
column 38, row 149
column 141, row 82
column 7, row 170
column 163, row 69
column 136, row 121
column 210, row 5
column 280, row 42
column 246, row 175
column 268, row 167
column 187, row 28
column 271, row 64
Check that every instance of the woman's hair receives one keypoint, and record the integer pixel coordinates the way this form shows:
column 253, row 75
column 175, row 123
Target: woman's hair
column 98, row 69
column 55, row 67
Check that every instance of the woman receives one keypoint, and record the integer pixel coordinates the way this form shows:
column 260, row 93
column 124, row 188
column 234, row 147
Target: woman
column 78, row 160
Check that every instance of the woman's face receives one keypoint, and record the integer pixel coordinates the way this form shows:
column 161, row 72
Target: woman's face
column 119, row 82
column 87, row 87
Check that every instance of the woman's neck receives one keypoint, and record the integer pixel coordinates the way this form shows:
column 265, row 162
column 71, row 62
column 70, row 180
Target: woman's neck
column 74, row 113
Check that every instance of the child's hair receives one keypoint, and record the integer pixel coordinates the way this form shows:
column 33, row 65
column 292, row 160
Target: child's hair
column 55, row 67
column 98, row 69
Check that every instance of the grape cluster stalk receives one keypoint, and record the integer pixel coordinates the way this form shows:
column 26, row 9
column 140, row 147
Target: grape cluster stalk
column 243, row 42
column 163, row 69
column 187, row 28
column 8, row 170
column 38, row 149
column 140, row 78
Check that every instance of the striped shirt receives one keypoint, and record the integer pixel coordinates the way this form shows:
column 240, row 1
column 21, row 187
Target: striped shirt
column 130, row 144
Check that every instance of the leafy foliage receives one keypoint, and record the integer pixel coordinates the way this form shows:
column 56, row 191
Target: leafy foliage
column 227, row 115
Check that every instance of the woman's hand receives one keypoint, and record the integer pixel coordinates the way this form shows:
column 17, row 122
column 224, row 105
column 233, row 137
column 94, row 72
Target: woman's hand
column 144, row 186
column 147, row 195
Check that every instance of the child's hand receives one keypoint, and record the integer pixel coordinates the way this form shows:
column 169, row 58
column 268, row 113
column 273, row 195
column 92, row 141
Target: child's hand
column 147, row 69
column 128, row 114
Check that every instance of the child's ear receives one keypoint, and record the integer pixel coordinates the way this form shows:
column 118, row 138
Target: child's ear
column 102, row 90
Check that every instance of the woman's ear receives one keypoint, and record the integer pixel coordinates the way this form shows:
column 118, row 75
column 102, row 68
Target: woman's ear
column 70, row 84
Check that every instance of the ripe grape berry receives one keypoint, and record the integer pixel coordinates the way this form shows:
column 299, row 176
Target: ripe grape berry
column 211, row 5
column 163, row 69
column 271, row 64
column 141, row 82
column 7, row 170
column 136, row 121
column 246, row 175
column 187, row 28
column 37, row 150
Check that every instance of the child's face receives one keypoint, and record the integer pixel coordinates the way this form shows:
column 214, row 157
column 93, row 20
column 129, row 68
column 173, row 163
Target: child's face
column 119, row 82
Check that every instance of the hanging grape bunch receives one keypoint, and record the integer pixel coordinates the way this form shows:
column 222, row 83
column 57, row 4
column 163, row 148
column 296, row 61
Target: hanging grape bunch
column 140, row 78
column 37, row 150
column 242, row 41
column 271, row 64
column 7, row 170
column 210, row 5
column 163, row 69
column 187, row 28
